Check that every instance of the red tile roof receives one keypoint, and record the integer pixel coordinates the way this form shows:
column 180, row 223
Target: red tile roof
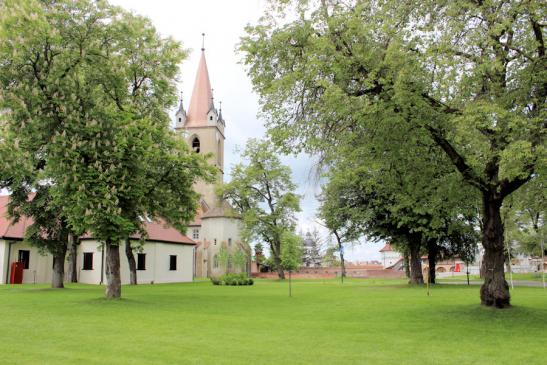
column 386, row 248
column 157, row 230
column 8, row 229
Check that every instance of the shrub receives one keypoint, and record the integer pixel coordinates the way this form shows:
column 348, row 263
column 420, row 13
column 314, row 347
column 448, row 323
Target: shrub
column 232, row 280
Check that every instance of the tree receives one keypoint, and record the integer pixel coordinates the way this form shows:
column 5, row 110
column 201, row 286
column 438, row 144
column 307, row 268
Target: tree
column 471, row 74
column 30, row 197
column 329, row 258
column 86, row 87
column 262, row 192
column 240, row 259
column 337, row 221
column 223, row 258
column 291, row 253
column 259, row 255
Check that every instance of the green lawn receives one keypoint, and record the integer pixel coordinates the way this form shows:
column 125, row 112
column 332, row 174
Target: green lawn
column 359, row 322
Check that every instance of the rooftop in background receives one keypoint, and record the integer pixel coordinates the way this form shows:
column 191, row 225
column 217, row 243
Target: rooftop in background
column 386, row 248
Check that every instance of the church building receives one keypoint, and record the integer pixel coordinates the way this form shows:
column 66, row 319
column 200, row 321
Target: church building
column 216, row 228
column 212, row 244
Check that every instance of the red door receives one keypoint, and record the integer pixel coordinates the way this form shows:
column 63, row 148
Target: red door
column 16, row 276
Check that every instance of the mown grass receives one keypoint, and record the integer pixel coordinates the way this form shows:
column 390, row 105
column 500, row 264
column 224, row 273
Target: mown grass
column 325, row 322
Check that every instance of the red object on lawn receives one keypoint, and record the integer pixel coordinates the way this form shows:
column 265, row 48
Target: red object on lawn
column 458, row 268
column 16, row 276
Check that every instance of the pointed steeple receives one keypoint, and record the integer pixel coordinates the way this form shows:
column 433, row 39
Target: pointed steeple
column 180, row 114
column 202, row 96
column 220, row 119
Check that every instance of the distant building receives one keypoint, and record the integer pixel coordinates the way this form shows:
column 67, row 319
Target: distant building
column 390, row 258
column 311, row 256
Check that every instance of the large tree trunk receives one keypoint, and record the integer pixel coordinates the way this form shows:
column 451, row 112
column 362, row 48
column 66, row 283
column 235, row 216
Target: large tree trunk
column 276, row 252
column 113, row 279
column 57, row 278
column 494, row 291
column 131, row 262
column 406, row 264
column 432, row 251
column 416, row 276
column 279, row 268
column 72, row 260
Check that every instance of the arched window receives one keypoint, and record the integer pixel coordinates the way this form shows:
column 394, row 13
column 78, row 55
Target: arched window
column 215, row 261
column 195, row 145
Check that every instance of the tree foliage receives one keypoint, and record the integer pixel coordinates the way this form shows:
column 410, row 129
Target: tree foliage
column 261, row 191
column 470, row 75
column 86, row 87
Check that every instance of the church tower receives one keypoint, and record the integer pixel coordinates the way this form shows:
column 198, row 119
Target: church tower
column 203, row 128
column 216, row 227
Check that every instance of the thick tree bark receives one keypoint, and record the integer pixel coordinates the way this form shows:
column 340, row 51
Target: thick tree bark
column 113, row 279
column 276, row 252
column 72, row 260
column 495, row 290
column 416, row 276
column 406, row 264
column 432, row 251
column 279, row 268
column 57, row 277
column 131, row 262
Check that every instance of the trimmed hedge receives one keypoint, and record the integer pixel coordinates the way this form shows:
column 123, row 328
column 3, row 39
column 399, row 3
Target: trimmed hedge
column 232, row 280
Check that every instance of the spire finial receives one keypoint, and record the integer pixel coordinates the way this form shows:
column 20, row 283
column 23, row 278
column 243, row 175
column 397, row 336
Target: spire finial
column 203, row 41
column 220, row 105
column 181, row 97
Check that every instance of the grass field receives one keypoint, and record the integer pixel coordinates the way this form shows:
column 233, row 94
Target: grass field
column 359, row 322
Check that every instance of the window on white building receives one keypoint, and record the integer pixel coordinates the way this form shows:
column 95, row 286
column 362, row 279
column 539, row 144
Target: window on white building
column 24, row 257
column 88, row 261
column 195, row 233
column 141, row 261
column 229, row 241
column 172, row 262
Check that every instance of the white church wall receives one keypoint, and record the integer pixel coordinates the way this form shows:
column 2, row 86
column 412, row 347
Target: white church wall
column 156, row 263
column 224, row 230
column 4, row 264
column 40, row 267
column 185, row 262
column 92, row 276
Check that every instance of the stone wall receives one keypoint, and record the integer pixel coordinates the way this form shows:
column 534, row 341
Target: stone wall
column 333, row 272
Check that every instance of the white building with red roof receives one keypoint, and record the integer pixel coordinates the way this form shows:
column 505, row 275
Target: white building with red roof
column 166, row 256
column 390, row 257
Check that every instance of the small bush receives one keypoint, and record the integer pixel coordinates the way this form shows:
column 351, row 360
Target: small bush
column 232, row 280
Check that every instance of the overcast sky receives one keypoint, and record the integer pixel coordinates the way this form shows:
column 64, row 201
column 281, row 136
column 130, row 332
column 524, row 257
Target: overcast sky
column 223, row 23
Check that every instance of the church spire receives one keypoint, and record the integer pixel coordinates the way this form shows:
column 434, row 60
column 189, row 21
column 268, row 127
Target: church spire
column 202, row 95
column 180, row 114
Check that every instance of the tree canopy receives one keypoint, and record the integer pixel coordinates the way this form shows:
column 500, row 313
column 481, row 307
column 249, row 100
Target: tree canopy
column 261, row 191
column 85, row 88
column 469, row 74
